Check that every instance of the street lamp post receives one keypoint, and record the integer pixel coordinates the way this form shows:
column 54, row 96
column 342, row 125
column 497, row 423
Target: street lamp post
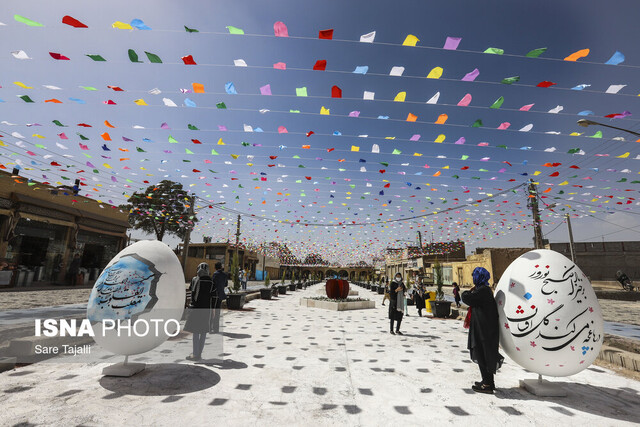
column 586, row 123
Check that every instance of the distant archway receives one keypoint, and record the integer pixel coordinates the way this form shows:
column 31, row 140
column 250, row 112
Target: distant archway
column 330, row 274
column 343, row 273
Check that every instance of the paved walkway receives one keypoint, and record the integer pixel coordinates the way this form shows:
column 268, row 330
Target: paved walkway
column 292, row 365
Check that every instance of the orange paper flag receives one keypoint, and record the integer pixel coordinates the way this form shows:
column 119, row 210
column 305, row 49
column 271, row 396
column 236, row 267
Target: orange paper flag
column 577, row 55
column 442, row 118
column 412, row 118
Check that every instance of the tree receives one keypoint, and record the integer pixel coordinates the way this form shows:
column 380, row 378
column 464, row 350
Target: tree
column 161, row 209
column 235, row 271
column 437, row 275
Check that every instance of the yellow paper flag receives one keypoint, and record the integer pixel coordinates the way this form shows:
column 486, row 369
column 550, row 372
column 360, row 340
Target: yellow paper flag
column 436, row 73
column 220, row 142
column 411, row 40
column 400, row 97
column 324, row 111
column 623, row 156
column 440, row 138
column 121, row 26
column 140, row 102
column 417, row 154
column 354, row 148
column 22, row 85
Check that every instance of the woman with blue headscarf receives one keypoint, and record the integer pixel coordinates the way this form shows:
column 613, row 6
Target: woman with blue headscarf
column 484, row 336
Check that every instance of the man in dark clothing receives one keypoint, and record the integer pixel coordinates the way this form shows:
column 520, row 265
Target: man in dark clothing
column 484, row 336
column 200, row 313
column 220, row 281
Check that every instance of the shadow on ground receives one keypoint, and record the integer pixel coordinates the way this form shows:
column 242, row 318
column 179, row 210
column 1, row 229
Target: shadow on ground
column 620, row 404
column 163, row 379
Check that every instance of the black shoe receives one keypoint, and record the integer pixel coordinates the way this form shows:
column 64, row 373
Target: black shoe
column 479, row 384
column 399, row 333
column 392, row 333
column 482, row 388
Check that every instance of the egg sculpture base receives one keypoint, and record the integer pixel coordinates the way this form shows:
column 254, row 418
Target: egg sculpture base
column 124, row 369
column 543, row 388
column 550, row 319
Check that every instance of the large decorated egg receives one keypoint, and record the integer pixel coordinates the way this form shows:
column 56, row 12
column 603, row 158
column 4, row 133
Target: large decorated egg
column 550, row 319
column 138, row 300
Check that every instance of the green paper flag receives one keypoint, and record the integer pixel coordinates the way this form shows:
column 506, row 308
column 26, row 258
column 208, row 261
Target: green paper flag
column 296, row 157
column 464, row 157
column 498, row 103
column 294, row 111
column 192, row 127
column 482, row 170
column 301, row 91
column 477, row 123
column 133, row 56
column 221, row 105
column 384, row 163
column 573, row 151
column 234, row 30
column 245, row 144
column 96, row 57
column 494, row 51
column 88, row 88
column 57, row 123
column 186, row 150
column 190, row 30
column 82, row 137
column 25, row 98
column 536, row 52
column 140, row 150
column 27, row 21
column 510, row 80
column 501, row 146
column 596, row 135
column 155, row 59
column 396, row 151
column 172, row 140
column 214, row 152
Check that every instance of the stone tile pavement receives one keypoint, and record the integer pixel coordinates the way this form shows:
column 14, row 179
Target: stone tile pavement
column 291, row 365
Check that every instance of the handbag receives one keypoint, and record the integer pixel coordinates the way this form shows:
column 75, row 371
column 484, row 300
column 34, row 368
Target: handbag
column 467, row 320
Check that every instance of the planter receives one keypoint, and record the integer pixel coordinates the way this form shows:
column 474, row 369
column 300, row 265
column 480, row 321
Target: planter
column 292, row 287
column 374, row 288
column 368, row 286
column 265, row 293
column 235, row 301
column 440, row 309
column 282, row 289
column 380, row 290
column 274, row 291
column 299, row 285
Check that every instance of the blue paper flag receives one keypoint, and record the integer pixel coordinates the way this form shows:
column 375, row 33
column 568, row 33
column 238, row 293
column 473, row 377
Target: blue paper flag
column 616, row 59
column 230, row 88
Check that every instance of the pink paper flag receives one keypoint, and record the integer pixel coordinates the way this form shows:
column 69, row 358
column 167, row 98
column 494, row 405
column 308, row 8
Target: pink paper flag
column 63, row 136
column 354, row 114
column 526, row 107
column 280, row 29
column 469, row 77
column 465, row 101
column 483, row 144
column 461, row 140
column 265, row 90
column 504, row 125
column 280, row 66
column 282, row 129
column 415, row 137
column 452, row 43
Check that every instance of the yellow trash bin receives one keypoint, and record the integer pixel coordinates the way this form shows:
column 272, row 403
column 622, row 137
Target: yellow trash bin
column 427, row 304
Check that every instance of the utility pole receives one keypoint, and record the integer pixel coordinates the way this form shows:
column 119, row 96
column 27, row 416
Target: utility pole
column 420, row 238
column 187, row 236
column 573, row 255
column 533, row 205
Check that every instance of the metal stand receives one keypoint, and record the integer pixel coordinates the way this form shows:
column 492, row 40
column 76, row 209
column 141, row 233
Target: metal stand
column 124, row 369
column 543, row 388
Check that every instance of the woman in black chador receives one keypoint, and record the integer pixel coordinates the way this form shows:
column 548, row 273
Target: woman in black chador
column 484, row 336
column 396, row 303
column 201, row 309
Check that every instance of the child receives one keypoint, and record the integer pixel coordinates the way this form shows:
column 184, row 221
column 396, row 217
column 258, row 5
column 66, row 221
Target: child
column 456, row 293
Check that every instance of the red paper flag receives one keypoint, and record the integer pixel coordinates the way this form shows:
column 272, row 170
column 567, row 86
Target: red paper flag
column 310, row 133
column 321, row 65
column 188, row 60
column 336, row 92
column 545, row 84
column 195, row 141
column 555, row 174
column 58, row 56
column 326, row 34
column 73, row 22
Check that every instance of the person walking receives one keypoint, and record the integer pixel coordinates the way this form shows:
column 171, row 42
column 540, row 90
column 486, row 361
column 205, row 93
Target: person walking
column 386, row 291
column 242, row 276
column 418, row 298
column 200, row 309
column 456, row 293
column 220, row 281
column 396, row 303
column 483, row 330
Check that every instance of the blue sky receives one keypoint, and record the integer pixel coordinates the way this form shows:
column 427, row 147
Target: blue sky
column 517, row 28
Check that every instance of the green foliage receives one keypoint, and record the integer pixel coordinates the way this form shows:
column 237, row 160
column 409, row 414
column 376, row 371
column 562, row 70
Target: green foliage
column 235, row 269
column 161, row 209
column 437, row 276
column 267, row 281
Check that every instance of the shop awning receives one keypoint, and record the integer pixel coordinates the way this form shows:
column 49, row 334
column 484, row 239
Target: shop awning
column 97, row 231
column 40, row 218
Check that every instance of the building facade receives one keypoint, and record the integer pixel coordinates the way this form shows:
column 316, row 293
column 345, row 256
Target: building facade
column 42, row 228
column 601, row 260
column 223, row 252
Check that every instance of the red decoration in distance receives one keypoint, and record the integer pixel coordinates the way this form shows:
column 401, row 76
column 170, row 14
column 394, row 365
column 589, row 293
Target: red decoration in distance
column 325, row 34
column 321, row 65
column 73, row 22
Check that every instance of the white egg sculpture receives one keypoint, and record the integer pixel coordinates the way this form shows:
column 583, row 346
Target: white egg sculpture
column 550, row 318
column 142, row 287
